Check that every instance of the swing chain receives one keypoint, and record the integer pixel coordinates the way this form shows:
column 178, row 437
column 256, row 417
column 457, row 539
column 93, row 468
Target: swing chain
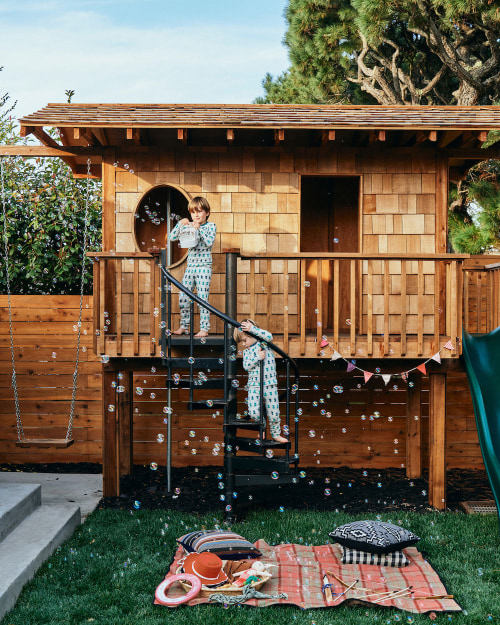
column 82, row 286
column 19, row 424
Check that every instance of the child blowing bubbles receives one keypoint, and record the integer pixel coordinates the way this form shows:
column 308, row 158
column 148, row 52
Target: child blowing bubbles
column 253, row 354
column 199, row 263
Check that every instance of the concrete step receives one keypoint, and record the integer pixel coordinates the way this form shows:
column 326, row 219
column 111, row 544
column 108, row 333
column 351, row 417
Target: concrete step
column 27, row 546
column 17, row 501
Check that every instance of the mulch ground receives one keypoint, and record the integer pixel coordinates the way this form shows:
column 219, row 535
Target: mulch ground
column 197, row 489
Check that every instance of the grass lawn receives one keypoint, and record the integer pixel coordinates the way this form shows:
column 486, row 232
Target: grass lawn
column 106, row 574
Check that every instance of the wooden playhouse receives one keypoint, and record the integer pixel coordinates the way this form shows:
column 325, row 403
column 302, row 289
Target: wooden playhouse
column 335, row 219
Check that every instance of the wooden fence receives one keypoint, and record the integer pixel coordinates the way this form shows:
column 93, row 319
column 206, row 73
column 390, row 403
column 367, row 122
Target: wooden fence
column 362, row 426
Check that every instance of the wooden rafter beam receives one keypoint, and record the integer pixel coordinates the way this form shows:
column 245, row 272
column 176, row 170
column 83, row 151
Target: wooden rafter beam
column 100, row 135
column 279, row 136
column 134, row 134
column 230, row 135
column 376, row 135
column 83, row 136
column 182, row 134
column 41, row 151
column 448, row 137
column 327, row 135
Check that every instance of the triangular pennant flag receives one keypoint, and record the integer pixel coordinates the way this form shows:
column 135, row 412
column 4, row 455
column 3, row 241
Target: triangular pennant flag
column 324, row 342
column 422, row 368
column 368, row 375
column 386, row 377
column 449, row 345
column 436, row 357
column 336, row 355
column 350, row 366
column 404, row 375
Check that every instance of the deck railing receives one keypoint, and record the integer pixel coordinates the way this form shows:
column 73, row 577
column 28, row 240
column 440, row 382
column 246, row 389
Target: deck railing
column 481, row 295
column 367, row 305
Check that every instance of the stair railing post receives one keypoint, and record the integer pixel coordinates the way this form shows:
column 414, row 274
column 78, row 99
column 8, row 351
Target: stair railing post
column 231, row 368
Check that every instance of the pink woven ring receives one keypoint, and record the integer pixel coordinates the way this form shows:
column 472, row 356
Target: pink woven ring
column 162, row 598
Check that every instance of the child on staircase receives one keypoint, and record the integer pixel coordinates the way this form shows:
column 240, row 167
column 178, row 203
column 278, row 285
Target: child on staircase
column 199, row 264
column 253, row 353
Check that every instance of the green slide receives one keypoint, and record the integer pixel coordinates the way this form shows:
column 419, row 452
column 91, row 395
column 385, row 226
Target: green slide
column 481, row 353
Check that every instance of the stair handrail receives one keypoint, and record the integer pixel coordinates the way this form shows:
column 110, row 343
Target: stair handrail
column 230, row 320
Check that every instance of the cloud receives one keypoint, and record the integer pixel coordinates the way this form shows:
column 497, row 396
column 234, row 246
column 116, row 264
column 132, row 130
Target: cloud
column 105, row 61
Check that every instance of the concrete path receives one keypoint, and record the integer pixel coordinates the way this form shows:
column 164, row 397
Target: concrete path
column 85, row 490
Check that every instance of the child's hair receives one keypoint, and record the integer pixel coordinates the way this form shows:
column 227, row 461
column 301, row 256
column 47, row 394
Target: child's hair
column 199, row 204
column 238, row 332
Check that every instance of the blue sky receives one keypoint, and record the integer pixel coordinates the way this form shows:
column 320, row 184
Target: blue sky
column 144, row 51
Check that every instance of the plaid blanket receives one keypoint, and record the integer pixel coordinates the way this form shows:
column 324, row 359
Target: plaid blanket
column 301, row 569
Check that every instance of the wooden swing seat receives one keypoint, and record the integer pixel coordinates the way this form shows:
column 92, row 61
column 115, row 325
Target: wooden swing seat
column 60, row 443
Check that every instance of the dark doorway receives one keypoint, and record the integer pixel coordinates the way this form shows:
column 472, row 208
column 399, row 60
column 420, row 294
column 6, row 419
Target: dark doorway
column 329, row 223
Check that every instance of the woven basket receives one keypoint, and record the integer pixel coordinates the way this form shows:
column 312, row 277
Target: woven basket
column 227, row 589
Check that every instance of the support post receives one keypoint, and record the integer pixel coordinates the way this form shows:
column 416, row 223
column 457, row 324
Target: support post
column 231, row 370
column 437, row 440
column 414, row 429
column 125, row 411
column 110, row 468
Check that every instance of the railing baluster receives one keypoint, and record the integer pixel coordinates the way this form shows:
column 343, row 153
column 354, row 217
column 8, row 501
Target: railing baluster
column 136, row 307
column 152, row 318
column 369, row 310
column 453, row 301
column 286, row 281
column 458, row 308
column 466, row 299
column 386, row 278
column 119, row 262
column 403, row 307
column 479, row 295
column 269, row 289
column 336, row 304
column 319, row 304
column 438, row 267
column 420, row 308
column 353, row 307
column 102, row 306
column 97, row 307
column 252, row 288
column 302, row 306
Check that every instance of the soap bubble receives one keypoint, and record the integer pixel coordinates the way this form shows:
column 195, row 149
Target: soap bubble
column 338, row 389
column 137, row 505
column 335, row 240
column 328, row 492
column 104, row 359
column 160, row 438
column 348, row 322
column 235, row 383
column 192, row 433
column 167, row 410
column 111, row 408
column 153, row 466
column 210, row 403
column 312, row 433
column 307, row 283
column 139, row 390
column 275, row 475
column 190, row 360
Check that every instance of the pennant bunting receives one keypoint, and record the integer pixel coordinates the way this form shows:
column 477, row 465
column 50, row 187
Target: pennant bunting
column 449, row 345
column 336, row 355
column 386, row 377
column 324, row 343
column 404, row 375
column 350, row 366
column 367, row 375
column 437, row 357
column 422, row 368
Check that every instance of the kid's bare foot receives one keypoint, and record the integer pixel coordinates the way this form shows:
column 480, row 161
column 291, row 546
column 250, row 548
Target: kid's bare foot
column 181, row 330
column 201, row 334
column 280, row 439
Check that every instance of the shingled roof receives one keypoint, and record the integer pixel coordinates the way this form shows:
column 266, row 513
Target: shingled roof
column 265, row 116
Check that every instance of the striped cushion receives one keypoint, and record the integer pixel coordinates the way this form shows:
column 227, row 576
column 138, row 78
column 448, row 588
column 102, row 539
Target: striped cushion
column 227, row 545
column 354, row 556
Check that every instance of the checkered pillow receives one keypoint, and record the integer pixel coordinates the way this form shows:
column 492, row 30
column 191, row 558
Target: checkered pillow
column 354, row 556
column 373, row 536
column 227, row 545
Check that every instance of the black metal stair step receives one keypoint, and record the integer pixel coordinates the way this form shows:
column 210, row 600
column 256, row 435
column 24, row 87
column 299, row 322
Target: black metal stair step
column 208, row 404
column 256, row 479
column 183, row 340
column 253, row 463
column 211, row 383
column 202, row 362
column 254, row 445
column 244, row 424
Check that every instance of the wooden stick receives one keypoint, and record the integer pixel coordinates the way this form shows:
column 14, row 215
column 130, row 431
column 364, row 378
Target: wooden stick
column 328, row 590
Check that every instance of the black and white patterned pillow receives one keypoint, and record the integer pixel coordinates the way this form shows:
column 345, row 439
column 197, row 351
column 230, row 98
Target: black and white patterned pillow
column 373, row 536
column 355, row 556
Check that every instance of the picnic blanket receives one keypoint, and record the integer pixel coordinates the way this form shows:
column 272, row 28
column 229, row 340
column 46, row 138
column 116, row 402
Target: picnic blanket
column 301, row 569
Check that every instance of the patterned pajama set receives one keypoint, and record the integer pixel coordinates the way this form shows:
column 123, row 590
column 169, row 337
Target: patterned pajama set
column 198, row 272
column 251, row 363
